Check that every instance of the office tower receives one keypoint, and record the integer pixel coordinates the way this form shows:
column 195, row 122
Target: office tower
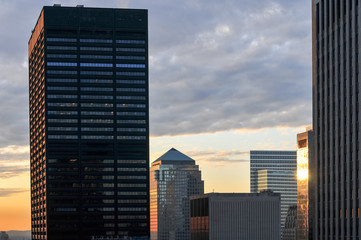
column 290, row 229
column 88, row 85
column 276, row 171
column 304, row 186
column 246, row 216
column 174, row 177
column 336, row 117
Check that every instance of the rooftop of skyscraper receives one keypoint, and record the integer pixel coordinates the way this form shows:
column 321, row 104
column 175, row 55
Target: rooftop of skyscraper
column 174, row 156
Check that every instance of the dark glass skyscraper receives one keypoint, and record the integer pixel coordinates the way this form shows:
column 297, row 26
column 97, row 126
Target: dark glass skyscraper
column 89, row 130
column 336, row 118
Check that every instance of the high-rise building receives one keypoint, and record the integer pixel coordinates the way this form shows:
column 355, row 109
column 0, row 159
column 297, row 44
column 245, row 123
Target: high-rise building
column 89, row 132
column 174, row 177
column 228, row 216
column 276, row 171
column 304, row 186
column 336, row 117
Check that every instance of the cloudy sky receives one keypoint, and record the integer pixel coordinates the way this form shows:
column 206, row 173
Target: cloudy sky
column 225, row 77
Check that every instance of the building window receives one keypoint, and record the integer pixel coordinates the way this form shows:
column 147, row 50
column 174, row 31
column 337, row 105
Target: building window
column 52, row 120
column 62, row 136
column 97, row 113
column 51, row 104
column 62, row 64
column 131, row 89
column 131, row 113
column 93, row 129
column 132, row 169
column 97, row 89
column 96, row 65
column 96, row 49
column 131, row 129
column 62, row 129
column 103, row 97
column 131, row 97
column 62, row 112
column 128, row 65
column 131, row 81
column 97, row 120
column 67, row 48
column 97, row 137
column 61, row 39
column 62, row 72
column 96, row 81
column 131, row 137
column 96, row 56
column 95, row 73
column 131, row 193
column 101, row 105
column 126, row 41
column 131, row 74
column 129, row 105
column 130, row 49
column 62, row 88
column 86, row 40
column 132, row 121
column 62, row 80
column 140, row 58
column 132, row 177
column 61, row 56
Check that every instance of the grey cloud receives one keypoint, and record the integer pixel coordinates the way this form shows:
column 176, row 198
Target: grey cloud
column 256, row 73
column 12, row 171
column 219, row 157
column 14, row 154
column 6, row 192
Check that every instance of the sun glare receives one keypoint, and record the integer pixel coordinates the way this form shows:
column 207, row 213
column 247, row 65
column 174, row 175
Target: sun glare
column 302, row 163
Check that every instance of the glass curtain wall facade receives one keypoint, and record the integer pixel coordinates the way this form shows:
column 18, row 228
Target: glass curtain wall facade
column 336, row 117
column 174, row 177
column 304, row 153
column 276, row 171
column 89, row 131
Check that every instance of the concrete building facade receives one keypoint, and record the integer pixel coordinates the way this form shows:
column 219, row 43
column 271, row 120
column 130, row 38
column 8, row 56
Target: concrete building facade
column 229, row 216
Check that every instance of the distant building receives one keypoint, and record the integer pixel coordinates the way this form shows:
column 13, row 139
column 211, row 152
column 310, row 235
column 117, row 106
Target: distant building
column 229, row 216
column 4, row 236
column 276, row 171
column 304, row 186
column 290, row 229
column 174, row 177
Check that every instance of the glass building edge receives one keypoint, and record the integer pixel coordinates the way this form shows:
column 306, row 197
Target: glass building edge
column 304, row 173
column 45, row 134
